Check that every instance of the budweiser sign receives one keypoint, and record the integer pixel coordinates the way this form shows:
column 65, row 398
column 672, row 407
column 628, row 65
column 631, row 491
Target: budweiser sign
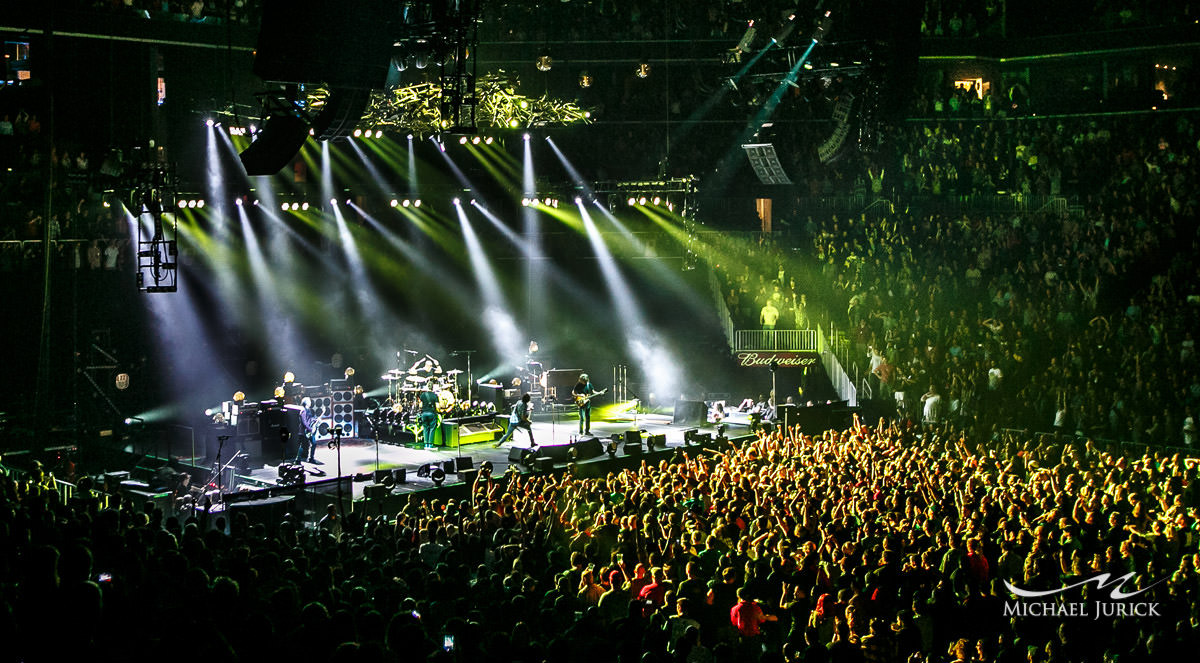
column 783, row 359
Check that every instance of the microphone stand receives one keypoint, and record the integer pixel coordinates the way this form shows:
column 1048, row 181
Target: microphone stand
column 470, row 377
column 220, row 470
column 470, row 381
column 335, row 442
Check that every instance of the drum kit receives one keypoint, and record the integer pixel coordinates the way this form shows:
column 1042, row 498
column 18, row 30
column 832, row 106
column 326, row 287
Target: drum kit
column 404, row 386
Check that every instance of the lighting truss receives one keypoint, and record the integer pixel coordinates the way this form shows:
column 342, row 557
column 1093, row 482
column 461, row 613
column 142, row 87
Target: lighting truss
column 157, row 252
column 419, row 108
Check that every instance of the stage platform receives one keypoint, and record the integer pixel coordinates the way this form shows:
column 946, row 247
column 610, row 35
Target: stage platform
column 360, row 456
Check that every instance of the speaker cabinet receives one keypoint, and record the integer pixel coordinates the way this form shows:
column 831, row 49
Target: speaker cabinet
column 690, row 413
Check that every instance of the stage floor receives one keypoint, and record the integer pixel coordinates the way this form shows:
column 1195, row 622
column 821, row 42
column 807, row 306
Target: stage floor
column 359, row 455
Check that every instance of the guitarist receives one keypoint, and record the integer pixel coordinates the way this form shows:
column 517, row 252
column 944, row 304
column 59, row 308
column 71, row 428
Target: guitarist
column 308, row 433
column 584, row 391
column 519, row 417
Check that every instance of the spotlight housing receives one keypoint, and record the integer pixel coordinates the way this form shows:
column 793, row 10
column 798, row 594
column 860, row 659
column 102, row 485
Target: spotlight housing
column 462, row 140
column 394, row 202
column 379, row 133
column 417, row 202
column 283, row 206
column 303, row 207
column 358, row 133
column 642, row 200
column 643, row 70
column 526, row 136
column 632, row 201
column 406, row 202
column 475, row 140
column 456, row 201
column 657, row 200
column 488, row 140
column 545, row 63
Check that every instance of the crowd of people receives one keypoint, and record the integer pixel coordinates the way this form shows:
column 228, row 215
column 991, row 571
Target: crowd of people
column 98, row 237
column 880, row 543
column 1081, row 319
column 213, row 12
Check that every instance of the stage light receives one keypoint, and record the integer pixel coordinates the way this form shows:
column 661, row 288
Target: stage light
column 358, row 133
column 303, row 208
column 585, row 80
column 129, row 420
column 256, row 202
column 410, row 137
column 417, row 202
column 289, row 377
column 514, row 124
column 545, row 63
column 587, row 114
column 642, row 200
column 475, row 140
column 237, row 201
column 312, row 132
column 333, row 201
column 395, row 202
column 524, row 202
column 349, row 201
column 406, row 202
column 182, row 204
column 643, row 70
column 462, row 140
column 296, row 206
column 526, row 136
column 253, row 129
column 209, row 122
column 456, row 201
column 379, row 133
column 283, row 206
column 473, row 202
column 578, row 200
column 191, row 204
column 657, row 200
column 107, row 204
column 547, row 201
column 200, row 203
column 632, row 201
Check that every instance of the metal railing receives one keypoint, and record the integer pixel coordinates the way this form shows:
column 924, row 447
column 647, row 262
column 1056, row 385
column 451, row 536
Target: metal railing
column 780, row 340
column 841, row 381
column 723, row 314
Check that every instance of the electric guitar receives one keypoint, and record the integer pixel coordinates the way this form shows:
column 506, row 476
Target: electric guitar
column 582, row 399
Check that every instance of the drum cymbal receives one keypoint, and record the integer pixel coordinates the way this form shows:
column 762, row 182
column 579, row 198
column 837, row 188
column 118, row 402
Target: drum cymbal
column 416, row 378
column 389, row 378
column 455, row 371
column 396, row 371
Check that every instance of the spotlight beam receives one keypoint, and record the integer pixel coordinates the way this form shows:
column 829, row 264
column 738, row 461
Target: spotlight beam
column 506, row 337
column 702, row 112
column 725, row 168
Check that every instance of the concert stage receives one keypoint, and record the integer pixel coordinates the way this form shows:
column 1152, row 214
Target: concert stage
column 360, row 458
